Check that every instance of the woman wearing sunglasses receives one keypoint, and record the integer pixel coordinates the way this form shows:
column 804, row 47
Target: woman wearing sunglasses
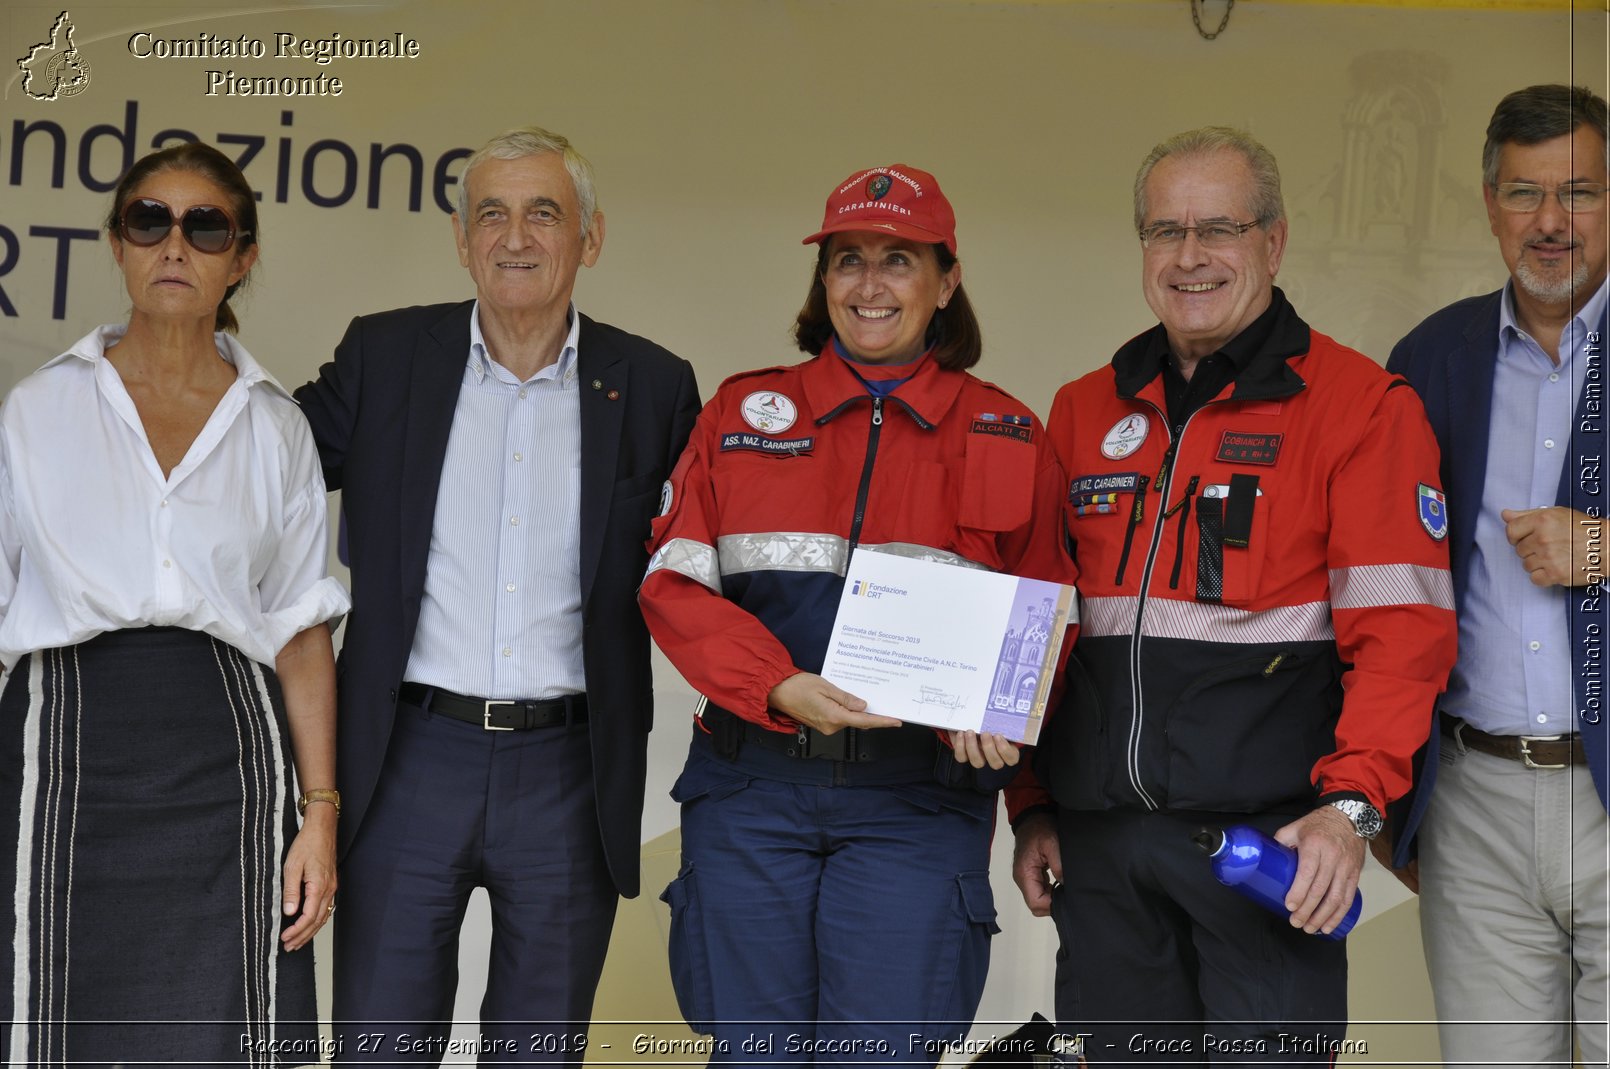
column 164, row 610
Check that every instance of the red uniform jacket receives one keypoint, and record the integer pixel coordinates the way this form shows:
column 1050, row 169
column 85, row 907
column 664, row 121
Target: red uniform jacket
column 791, row 468
column 1267, row 614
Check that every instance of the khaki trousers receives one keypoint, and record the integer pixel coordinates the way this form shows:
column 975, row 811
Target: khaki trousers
column 1513, row 911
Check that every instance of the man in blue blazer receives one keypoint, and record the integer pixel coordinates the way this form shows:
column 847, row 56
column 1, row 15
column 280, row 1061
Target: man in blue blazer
column 1512, row 842
column 499, row 462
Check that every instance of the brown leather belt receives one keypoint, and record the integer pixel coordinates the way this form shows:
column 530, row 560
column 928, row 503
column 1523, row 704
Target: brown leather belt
column 1533, row 751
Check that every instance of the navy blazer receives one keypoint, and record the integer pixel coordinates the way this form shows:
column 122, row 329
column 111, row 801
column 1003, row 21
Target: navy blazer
column 381, row 412
column 1450, row 360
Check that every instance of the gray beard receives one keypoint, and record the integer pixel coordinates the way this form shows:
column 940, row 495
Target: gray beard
column 1551, row 289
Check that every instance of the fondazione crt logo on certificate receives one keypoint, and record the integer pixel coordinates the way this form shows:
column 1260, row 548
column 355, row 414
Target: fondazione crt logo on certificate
column 861, row 588
column 53, row 69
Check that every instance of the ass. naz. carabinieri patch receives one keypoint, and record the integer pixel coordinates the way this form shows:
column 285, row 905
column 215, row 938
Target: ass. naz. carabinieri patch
column 1099, row 493
column 760, row 443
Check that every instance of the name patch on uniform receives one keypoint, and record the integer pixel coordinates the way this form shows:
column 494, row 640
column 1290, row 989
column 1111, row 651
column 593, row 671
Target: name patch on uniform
column 1019, row 428
column 759, row 443
column 1113, row 483
column 1246, row 447
column 1099, row 493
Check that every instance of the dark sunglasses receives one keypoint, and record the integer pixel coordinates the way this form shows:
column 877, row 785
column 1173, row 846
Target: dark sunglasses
column 146, row 222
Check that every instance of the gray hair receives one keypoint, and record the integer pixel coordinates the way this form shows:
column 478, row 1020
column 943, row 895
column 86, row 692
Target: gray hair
column 534, row 141
column 1267, row 206
column 1540, row 113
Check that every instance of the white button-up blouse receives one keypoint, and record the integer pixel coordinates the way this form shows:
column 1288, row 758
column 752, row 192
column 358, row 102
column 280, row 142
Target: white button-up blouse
column 94, row 538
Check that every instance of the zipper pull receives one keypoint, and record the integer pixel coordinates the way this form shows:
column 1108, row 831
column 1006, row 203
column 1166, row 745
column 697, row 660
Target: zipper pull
column 1140, row 500
column 1168, row 462
column 1185, row 499
column 877, row 411
column 1168, row 457
column 1269, row 670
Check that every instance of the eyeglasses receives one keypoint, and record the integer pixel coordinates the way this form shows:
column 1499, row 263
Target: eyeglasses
column 1210, row 235
column 146, row 222
column 1527, row 197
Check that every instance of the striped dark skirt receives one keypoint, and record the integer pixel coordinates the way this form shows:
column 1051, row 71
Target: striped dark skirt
column 145, row 792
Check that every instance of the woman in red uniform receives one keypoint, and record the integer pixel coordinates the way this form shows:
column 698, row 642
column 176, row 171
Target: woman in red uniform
column 834, row 901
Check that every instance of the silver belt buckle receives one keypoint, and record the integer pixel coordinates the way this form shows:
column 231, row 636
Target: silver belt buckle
column 1526, row 750
column 486, row 715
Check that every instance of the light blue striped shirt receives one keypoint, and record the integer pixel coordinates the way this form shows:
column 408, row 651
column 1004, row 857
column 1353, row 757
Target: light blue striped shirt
column 501, row 616
column 1513, row 676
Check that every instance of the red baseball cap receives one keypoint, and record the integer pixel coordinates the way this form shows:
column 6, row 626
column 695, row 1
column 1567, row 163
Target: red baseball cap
column 896, row 199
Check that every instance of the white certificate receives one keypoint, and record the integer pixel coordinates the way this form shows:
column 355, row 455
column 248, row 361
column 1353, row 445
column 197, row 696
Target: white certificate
column 948, row 646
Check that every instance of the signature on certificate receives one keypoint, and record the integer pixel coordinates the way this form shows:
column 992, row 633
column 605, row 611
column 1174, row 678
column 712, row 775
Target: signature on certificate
column 937, row 696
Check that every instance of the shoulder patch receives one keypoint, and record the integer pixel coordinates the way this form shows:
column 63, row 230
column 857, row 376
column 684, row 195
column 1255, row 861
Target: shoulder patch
column 1433, row 511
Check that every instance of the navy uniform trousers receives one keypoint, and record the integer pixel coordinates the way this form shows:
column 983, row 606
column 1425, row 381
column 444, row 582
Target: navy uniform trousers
column 828, row 912
column 457, row 808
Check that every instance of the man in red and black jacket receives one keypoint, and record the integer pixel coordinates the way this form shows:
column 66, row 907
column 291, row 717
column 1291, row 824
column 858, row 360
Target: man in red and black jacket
column 1267, row 619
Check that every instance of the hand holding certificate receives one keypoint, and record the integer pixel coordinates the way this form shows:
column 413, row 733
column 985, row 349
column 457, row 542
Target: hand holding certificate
column 948, row 646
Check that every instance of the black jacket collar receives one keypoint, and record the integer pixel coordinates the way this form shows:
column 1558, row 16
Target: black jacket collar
column 1258, row 355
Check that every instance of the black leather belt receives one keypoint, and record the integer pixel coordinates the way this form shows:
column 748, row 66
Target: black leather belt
column 494, row 714
column 1533, row 751
column 850, row 744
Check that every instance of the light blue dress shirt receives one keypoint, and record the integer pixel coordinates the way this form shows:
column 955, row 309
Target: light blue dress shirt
column 501, row 616
column 1513, row 676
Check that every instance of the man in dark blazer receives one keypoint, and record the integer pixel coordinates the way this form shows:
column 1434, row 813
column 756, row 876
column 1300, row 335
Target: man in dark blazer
column 499, row 462
column 1512, row 842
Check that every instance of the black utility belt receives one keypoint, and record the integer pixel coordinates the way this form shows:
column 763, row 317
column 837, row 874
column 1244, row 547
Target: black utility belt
column 729, row 733
column 495, row 714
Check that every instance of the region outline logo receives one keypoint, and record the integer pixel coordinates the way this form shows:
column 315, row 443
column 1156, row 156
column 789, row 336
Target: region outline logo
column 54, row 69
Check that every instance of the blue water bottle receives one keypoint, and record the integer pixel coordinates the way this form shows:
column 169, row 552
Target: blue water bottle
column 1248, row 861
